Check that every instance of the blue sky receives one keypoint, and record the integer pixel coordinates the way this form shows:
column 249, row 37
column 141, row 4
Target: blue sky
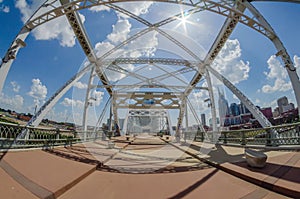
column 52, row 56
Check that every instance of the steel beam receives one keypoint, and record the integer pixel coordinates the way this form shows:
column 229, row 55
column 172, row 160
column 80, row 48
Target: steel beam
column 83, row 39
column 219, row 42
column 37, row 118
column 14, row 48
column 212, row 101
column 250, row 106
column 148, row 100
column 282, row 52
column 223, row 8
column 87, row 102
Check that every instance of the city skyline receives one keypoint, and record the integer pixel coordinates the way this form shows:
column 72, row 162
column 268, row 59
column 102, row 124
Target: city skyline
column 52, row 54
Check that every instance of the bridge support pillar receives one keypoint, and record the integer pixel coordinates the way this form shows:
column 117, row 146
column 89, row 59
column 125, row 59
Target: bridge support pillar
column 180, row 118
column 115, row 115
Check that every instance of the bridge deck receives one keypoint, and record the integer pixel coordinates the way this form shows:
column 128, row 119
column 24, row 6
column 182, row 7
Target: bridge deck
column 95, row 171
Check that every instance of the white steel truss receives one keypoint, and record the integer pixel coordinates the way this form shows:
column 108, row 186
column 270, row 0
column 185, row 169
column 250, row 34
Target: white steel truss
column 151, row 121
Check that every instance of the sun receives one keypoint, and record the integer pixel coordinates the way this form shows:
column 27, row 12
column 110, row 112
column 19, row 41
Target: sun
column 184, row 16
column 183, row 20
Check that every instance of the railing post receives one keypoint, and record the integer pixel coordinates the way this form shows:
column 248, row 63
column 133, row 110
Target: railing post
column 202, row 136
column 225, row 137
column 298, row 133
column 57, row 133
column 269, row 141
column 27, row 133
column 84, row 135
column 243, row 138
column 96, row 135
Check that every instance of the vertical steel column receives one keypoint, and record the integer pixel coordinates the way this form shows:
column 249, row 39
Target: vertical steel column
column 180, row 118
column 186, row 117
column 212, row 105
column 115, row 115
column 87, row 100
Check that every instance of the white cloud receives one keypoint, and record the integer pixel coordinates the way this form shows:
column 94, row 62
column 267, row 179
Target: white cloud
column 99, row 8
column 26, row 9
column 80, row 85
column 272, row 104
column 56, row 29
column 16, row 86
column 148, row 42
column 120, row 31
column 279, row 85
column 136, row 8
column 4, row 9
column 277, row 73
column 38, row 91
column 15, row 103
column 71, row 102
column 197, row 99
column 143, row 46
column 276, row 69
column 102, row 47
column 98, row 96
column 229, row 64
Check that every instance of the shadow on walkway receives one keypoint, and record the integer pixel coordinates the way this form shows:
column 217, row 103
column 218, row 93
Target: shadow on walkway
column 218, row 154
column 73, row 157
column 167, row 169
column 277, row 170
column 194, row 186
column 79, row 154
column 2, row 154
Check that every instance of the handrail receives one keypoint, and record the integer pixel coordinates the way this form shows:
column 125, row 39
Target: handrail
column 287, row 134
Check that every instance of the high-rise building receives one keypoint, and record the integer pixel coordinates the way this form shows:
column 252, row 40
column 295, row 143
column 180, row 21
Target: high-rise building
column 243, row 109
column 223, row 107
column 288, row 107
column 234, row 109
column 281, row 102
column 267, row 112
column 203, row 120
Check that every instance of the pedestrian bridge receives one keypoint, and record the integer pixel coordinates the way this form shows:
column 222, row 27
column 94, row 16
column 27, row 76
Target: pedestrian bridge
column 146, row 157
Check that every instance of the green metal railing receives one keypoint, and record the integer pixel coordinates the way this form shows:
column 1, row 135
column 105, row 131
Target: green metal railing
column 287, row 134
column 10, row 136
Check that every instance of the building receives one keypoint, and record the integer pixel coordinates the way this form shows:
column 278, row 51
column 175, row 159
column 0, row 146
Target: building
column 243, row 109
column 203, row 120
column 267, row 112
column 276, row 112
column 288, row 107
column 223, row 107
column 281, row 102
column 234, row 109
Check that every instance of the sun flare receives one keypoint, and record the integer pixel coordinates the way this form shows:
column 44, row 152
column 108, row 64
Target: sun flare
column 183, row 20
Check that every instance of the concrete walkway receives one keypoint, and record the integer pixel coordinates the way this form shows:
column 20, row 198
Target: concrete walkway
column 135, row 169
column 281, row 173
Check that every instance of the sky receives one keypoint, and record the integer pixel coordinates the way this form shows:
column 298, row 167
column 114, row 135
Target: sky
column 53, row 55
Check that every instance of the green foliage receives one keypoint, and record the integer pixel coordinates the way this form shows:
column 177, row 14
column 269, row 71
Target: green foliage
column 7, row 121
